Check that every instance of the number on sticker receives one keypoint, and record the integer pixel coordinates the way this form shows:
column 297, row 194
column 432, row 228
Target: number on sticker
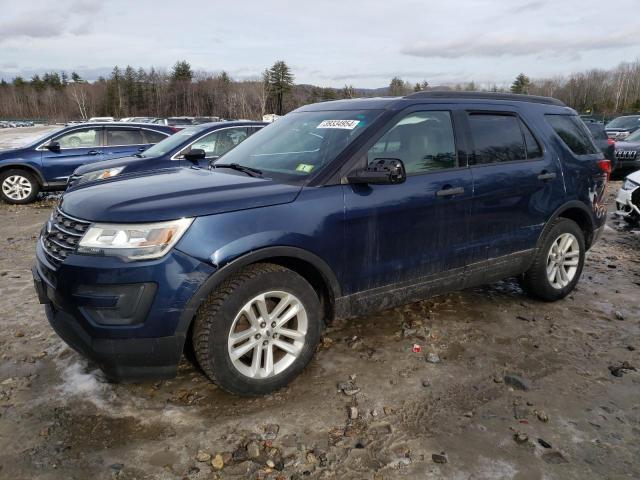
column 344, row 124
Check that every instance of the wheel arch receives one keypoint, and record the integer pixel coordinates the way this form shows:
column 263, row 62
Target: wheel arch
column 26, row 167
column 308, row 265
column 579, row 213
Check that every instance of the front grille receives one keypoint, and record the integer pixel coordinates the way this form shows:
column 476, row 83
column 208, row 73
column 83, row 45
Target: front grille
column 61, row 235
column 626, row 154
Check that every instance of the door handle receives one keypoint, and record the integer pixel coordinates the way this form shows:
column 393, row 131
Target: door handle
column 449, row 192
column 142, row 149
column 546, row 175
column 93, row 152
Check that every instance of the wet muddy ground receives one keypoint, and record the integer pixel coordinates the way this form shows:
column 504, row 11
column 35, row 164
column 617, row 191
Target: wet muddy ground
column 514, row 388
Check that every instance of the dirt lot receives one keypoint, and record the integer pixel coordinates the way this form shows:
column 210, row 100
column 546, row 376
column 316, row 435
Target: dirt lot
column 61, row 420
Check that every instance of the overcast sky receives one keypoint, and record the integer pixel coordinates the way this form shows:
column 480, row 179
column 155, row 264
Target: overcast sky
column 329, row 43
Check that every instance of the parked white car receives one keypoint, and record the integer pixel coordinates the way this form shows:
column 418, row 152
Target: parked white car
column 628, row 199
column 101, row 119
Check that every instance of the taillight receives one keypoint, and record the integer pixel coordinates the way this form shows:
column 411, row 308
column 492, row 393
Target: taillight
column 605, row 166
column 611, row 141
column 175, row 129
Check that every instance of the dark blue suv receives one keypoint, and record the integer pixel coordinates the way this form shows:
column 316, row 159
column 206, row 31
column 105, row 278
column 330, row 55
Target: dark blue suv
column 197, row 145
column 47, row 163
column 335, row 210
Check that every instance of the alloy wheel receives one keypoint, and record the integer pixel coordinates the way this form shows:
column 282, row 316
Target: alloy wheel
column 563, row 260
column 16, row 187
column 268, row 334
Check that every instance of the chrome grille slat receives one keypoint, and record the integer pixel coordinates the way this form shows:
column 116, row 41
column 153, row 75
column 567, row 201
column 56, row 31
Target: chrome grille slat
column 63, row 236
column 75, row 234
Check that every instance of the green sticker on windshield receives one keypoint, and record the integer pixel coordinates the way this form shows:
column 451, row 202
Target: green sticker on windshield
column 304, row 167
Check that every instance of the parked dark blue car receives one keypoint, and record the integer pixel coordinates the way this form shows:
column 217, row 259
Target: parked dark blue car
column 334, row 210
column 196, row 145
column 47, row 163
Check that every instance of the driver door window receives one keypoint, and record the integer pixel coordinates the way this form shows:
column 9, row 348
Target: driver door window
column 220, row 142
column 424, row 141
column 82, row 138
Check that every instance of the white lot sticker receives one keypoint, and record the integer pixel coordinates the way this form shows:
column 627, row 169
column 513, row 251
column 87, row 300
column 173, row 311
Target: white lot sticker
column 345, row 124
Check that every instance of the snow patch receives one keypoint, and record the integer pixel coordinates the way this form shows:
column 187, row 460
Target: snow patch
column 79, row 381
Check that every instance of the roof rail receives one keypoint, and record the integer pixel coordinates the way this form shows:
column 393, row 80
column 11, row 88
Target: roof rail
column 487, row 96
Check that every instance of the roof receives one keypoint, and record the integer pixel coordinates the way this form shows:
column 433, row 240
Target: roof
column 384, row 103
column 486, row 96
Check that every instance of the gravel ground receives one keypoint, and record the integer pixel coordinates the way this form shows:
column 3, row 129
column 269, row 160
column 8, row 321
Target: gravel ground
column 514, row 388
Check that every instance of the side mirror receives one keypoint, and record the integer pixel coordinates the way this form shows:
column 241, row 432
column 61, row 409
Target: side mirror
column 382, row 171
column 194, row 155
column 53, row 147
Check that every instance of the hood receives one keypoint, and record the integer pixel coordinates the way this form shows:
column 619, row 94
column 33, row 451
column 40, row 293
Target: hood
column 634, row 177
column 171, row 194
column 116, row 162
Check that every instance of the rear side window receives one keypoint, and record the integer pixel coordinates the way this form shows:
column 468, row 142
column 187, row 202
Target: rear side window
column 497, row 138
column 124, row 136
column 153, row 137
column 573, row 133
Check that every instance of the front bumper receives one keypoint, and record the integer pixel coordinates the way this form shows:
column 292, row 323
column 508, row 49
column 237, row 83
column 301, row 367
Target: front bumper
column 628, row 203
column 142, row 338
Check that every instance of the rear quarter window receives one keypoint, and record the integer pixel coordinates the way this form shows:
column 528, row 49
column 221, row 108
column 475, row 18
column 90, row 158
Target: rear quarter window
column 573, row 132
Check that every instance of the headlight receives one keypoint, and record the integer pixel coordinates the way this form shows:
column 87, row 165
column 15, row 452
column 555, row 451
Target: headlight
column 133, row 241
column 629, row 185
column 100, row 174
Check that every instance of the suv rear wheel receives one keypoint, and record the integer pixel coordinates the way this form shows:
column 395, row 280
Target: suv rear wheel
column 558, row 262
column 18, row 186
column 257, row 330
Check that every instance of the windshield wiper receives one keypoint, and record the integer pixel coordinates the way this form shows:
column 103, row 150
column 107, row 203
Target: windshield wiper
column 139, row 155
column 253, row 172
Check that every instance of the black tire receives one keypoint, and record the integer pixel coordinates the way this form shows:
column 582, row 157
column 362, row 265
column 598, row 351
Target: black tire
column 215, row 317
column 30, row 177
column 535, row 281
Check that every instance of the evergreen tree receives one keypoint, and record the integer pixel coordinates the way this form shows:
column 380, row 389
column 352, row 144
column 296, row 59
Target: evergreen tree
column 521, row 84
column 64, row 79
column 75, row 78
column 280, row 83
column 182, row 71
column 397, row 87
column 37, row 83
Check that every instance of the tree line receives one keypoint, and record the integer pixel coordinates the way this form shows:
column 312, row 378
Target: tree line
column 130, row 91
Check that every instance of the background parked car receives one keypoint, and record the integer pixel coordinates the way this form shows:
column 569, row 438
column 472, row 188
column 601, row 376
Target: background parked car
column 627, row 152
column 604, row 143
column 47, row 163
column 628, row 199
column 102, row 119
column 179, row 122
column 621, row 127
column 212, row 140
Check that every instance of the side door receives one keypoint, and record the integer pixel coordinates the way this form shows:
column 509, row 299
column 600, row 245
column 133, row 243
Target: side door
column 77, row 147
column 517, row 184
column 217, row 143
column 416, row 231
column 123, row 142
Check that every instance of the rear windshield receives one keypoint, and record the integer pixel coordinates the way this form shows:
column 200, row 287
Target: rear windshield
column 574, row 134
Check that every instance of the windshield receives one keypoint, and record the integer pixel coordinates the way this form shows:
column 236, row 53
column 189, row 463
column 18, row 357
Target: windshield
column 300, row 143
column 624, row 122
column 171, row 143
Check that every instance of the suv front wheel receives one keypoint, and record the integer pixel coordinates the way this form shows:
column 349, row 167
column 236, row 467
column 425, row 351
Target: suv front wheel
column 258, row 329
column 558, row 262
column 18, row 186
